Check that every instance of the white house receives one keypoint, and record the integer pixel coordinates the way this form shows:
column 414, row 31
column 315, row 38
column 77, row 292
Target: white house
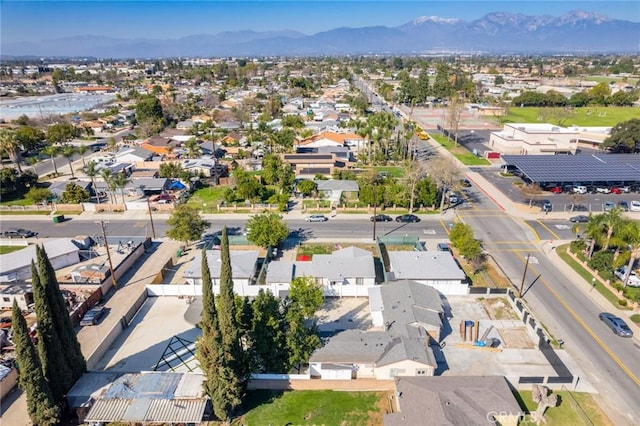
column 16, row 266
column 534, row 138
column 355, row 354
column 437, row 269
column 244, row 264
column 345, row 272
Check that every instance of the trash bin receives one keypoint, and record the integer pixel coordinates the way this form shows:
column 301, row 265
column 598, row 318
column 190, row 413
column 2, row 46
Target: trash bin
column 179, row 252
column 58, row 219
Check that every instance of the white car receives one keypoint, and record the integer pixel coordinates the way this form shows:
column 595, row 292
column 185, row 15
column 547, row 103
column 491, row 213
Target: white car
column 580, row 189
column 632, row 281
column 634, row 206
column 603, row 190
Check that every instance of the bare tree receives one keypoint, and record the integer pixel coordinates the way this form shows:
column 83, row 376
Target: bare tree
column 532, row 191
column 414, row 172
column 545, row 399
column 445, row 174
column 454, row 114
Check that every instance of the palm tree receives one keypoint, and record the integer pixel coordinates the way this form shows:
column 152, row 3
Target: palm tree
column 630, row 233
column 194, row 148
column 10, row 144
column 91, row 171
column 68, row 151
column 594, row 232
column 52, row 151
column 108, row 180
column 81, row 150
column 120, row 180
column 610, row 221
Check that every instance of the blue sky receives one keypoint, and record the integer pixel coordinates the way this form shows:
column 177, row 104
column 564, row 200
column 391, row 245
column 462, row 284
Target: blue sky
column 25, row 20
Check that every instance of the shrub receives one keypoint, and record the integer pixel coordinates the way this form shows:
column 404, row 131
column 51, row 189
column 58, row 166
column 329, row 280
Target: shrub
column 577, row 246
column 602, row 261
column 622, row 302
column 635, row 318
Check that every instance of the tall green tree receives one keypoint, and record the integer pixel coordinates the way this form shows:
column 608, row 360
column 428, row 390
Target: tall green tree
column 305, row 298
column 186, row 224
column 41, row 407
column 267, row 335
column 232, row 382
column 70, row 345
column 624, row 137
column 68, row 151
column 267, row 229
column 49, row 346
column 209, row 347
column 10, row 145
column 60, row 132
column 52, row 151
column 74, row 194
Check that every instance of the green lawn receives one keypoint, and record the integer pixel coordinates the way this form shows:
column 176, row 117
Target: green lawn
column 312, row 408
column 461, row 153
column 586, row 116
column 18, row 202
column 10, row 249
column 574, row 408
column 24, row 212
column 601, row 78
column 393, row 171
column 210, row 196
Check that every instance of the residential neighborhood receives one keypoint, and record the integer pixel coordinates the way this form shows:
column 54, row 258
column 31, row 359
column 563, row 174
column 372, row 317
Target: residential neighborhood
column 452, row 238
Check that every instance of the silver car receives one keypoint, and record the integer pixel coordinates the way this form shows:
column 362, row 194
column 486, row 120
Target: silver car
column 317, row 218
column 616, row 324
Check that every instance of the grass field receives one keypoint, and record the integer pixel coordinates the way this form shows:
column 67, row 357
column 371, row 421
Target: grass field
column 313, row 408
column 18, row 202
column 587, row 116
column 601, row 78
column 573, row 409
column 9, row 249
column 461, row 153
column 209, row 196
column 393, row 171
column 24, row 212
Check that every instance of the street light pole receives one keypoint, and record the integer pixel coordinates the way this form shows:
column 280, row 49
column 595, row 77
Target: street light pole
column 153, row 229
column 375, row 204
column 106, row 244
column 524, row 275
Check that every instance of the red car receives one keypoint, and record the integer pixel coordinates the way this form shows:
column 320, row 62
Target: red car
column 616, row 191
column 556, row 190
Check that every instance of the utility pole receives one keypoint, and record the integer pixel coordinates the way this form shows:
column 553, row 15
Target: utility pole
column 375, row 204
column 106, row 245
column 524, row 275
column 153, row 229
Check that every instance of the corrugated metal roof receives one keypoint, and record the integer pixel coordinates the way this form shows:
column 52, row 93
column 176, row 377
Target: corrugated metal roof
column 190, row 386
column 106, row 410
column 176, row 410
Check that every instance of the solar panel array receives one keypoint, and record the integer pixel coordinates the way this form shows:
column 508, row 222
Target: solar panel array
column 577, row 168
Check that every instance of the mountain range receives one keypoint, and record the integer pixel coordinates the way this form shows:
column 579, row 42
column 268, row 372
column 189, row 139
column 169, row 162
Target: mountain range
column 576, row 32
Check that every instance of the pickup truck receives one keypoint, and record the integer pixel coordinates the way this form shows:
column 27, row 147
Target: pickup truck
column 632, row 281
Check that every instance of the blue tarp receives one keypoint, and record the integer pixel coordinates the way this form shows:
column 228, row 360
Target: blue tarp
column 177, row 185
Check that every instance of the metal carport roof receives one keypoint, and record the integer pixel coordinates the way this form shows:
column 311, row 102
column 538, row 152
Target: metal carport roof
column 577, row 168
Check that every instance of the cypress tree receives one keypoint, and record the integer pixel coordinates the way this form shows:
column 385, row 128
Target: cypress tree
column 40, row 404
column 60, row 315
column 209, row 348
column 53, row 364
column 231, row 372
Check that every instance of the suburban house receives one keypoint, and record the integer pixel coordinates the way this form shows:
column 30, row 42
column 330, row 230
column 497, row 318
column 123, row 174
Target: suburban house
column 326, row 138
column 161, row 145
column 437, row 269
column 205, row 166
column 23, row 294
column 356, row 354
column 58, row 187
column 454, row 400
column 244, row 264
column 333, row 189
column 16, row 266
column 311, row 164
column 133, row 154
column 407, row 308
column 345, row 272
column 534, row 139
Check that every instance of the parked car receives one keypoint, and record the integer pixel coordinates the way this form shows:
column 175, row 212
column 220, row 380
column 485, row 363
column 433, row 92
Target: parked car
column 579, row 189
column 465, row 183
column 317, row 218
column 556, row 190
column 608, row 206
column 616, row 191
column 5, row 322
column 408, row 218
column 579, row 218
column 623, row 205
column 547, row 206
column 444, row 247
column 625, row 188
column 634, row 206
column 603, row 189
column 380, row 218
column 453, row 198
column 92, row 316
column 633, row 280
column 616, row 324
column 19, row 233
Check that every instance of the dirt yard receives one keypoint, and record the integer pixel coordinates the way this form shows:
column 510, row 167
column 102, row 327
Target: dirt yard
column 498, row 308
column 515, row 338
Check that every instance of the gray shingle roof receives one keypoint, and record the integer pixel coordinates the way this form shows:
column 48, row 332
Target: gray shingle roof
column 449, row 400
column 337, row 185
column 280, row 271
column 243, row 264
column 424, row 265
column 402, row 348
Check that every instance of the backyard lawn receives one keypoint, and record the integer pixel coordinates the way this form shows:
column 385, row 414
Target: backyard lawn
column 586, row 116
column 209, row 196
column 574, row 408
column 266, row 407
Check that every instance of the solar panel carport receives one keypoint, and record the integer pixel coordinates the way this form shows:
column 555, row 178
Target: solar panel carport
column 578, row 168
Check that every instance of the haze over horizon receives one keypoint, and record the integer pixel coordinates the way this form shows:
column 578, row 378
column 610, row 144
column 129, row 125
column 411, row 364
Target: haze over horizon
column 33, row 21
